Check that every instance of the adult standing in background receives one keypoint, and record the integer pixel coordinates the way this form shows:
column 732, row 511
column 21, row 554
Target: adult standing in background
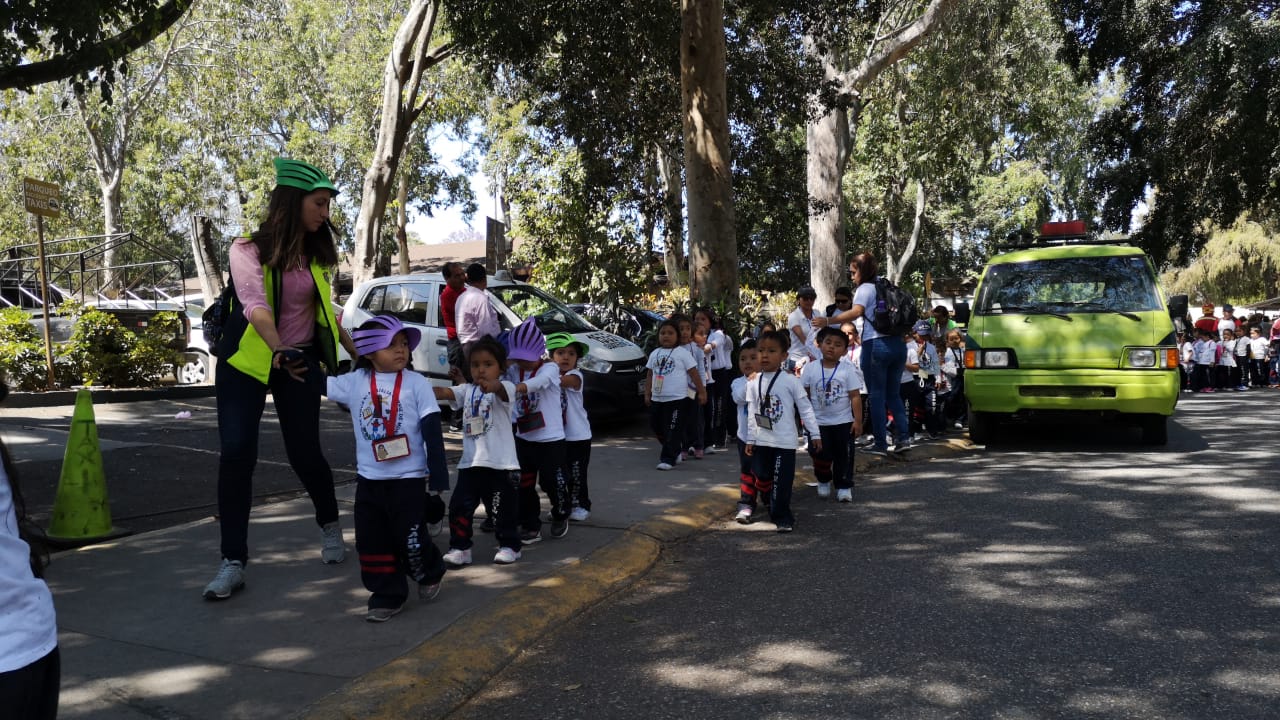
column 802, row 331
column 843, row 297
column 455, row 282
column 1228, row 321
column 282, row 337
column 719, row 362
column 30, row 665
column 475, row 314
column 883, row 358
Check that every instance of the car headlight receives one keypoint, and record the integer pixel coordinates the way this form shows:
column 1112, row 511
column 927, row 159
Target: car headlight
column 591, row 363
column 1142, row 358
column 995, row 359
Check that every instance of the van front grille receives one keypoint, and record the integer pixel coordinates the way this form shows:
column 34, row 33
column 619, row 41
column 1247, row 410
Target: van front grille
column 1067, row 391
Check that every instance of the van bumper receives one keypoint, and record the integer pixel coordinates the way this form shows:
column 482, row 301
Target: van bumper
column 1118, row 391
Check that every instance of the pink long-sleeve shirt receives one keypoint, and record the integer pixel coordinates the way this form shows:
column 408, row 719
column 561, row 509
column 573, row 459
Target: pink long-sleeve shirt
column 297, row 322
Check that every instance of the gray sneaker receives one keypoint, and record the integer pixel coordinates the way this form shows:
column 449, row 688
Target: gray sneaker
column 229, row 579
column 334, row 550
column 381, row 615
column 428, row 592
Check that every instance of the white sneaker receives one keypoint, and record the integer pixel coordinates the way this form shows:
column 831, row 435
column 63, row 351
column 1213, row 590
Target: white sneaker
column 824, row 490
column 457, row 558
column 665, row 466
column 506, row 556
column 844, row 495
column 579, row 514
column 333, row 550
column 744, row 514
column 229, row 579
column 680, row 458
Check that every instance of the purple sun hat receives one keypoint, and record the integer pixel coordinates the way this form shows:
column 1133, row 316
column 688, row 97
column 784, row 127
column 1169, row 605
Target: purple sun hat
column 526, row 342
column 382, row 329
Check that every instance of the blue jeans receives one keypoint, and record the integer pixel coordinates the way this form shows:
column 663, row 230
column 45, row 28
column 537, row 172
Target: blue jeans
column 241, row 400
column 883, row 361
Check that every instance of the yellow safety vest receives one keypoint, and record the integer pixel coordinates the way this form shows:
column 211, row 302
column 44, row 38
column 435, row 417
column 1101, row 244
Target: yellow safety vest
column 253, row 357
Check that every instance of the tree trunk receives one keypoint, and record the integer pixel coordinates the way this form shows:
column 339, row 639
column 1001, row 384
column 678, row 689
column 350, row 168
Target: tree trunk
column 673, row 260
column 825, row 173
column 208, row 269
column 409, row 58
column 713, row 251
column 402, row 222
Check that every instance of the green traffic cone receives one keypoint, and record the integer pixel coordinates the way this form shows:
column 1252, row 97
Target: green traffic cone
column 80, row 511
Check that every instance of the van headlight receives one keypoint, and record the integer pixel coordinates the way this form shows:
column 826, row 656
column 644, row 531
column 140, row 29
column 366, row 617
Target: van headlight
column 995, row 359
column 591, row 363
column 989, row 359
column 1142, row 358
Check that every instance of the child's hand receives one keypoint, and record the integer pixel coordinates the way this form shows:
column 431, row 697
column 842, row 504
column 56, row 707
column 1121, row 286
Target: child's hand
column 748, row 450
column 455, row 374
column 702, row 397
column 816, row 444
column 857, row 429
column 490, row 386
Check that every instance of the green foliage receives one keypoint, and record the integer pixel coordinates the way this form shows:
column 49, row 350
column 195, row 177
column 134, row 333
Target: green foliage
column 102, row 352
column 1198, row 120
column 1238, row 264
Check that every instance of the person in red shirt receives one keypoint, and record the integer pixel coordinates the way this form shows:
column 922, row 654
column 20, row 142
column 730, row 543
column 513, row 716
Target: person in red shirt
column 455, row 281
column 1207, row 321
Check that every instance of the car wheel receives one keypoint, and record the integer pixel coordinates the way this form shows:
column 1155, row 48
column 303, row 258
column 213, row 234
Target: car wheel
column 1155, row 430
column 980, row 426
column 196, row 368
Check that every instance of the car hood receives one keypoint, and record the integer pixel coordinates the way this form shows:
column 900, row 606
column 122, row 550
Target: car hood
column 609, row 347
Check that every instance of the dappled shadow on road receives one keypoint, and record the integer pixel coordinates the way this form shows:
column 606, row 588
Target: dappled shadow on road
column 1049, row 581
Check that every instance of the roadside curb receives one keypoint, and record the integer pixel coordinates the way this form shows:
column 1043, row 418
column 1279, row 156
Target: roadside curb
column 101, row 396
column 443, row 672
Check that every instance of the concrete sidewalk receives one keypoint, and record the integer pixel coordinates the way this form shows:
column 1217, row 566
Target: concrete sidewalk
column 139, row 642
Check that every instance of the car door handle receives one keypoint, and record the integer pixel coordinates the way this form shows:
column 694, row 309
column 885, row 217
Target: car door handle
column 442, row 342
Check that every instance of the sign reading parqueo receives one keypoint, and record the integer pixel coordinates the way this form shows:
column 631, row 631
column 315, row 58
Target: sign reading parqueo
column 42, row 198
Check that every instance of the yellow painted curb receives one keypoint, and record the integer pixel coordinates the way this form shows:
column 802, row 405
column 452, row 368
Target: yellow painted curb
column 437, row 676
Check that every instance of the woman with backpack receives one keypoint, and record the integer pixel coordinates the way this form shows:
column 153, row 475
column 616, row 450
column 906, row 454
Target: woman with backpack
column 884, row 357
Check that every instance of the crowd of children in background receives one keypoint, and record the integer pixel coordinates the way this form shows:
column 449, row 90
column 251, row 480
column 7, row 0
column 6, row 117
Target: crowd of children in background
column 1229, row 353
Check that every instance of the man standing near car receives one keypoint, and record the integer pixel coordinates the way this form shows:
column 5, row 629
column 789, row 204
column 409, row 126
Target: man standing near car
column 474, row 313
column 455, row 282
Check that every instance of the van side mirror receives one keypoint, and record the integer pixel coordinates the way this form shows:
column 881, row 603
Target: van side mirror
column 962, row 313
column 1178, row 306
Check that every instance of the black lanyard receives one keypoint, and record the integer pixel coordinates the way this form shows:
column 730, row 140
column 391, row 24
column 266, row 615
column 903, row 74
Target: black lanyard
column 766, row 393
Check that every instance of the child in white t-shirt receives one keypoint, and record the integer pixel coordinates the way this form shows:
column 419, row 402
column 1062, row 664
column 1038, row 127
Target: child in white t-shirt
column 539, row 418
column 489, row 467
column 1257, row 357
column 396, row 421
column 774, row 398
column 1226, row 369
column 669, row 372
column 565, row 353
column 834, row 389
column 750, row 487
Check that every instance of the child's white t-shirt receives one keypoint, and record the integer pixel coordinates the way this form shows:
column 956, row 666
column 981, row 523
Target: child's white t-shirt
column 719, row 355
column 495, row 445
column 1188, row 353
column 1228, row 356
column 576, row 424
column 778, row 400
column 543, row 397
column 1206, row 352
column 700, row 358
column 738, row 390
column 417, row 400
column 672, row 365
column 1242, row 349
column 829, row 390
column 1259, row 347
column 913, row 358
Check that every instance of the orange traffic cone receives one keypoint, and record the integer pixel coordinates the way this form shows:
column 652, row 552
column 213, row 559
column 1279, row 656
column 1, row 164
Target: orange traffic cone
column 80, row 511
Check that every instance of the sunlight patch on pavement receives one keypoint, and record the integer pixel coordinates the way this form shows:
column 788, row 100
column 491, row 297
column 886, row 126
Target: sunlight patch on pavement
column 1249, row 681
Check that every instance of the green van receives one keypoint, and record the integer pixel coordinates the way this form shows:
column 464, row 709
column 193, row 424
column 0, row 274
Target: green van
column 1071, row 330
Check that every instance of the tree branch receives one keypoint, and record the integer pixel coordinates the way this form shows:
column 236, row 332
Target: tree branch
column 97, row 55
column 852, row 82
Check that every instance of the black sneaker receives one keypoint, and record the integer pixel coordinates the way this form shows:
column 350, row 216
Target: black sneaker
column 529, row 537
column 785, row 527
column 873, row 450
column 487, row 526
column 559, row 528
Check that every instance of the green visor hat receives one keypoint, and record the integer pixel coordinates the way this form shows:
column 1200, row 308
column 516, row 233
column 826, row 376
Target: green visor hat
column 558, row 340
column 304, row 176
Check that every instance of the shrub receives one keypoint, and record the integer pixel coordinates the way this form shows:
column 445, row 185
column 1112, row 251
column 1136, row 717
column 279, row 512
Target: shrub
column 103, row 352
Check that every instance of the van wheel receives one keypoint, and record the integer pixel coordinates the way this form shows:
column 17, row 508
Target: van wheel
column 980, row 426
column 1155, row 430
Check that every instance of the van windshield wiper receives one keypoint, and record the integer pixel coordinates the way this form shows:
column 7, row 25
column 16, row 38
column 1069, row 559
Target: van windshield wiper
column 1104, row 308
column 1033, row 310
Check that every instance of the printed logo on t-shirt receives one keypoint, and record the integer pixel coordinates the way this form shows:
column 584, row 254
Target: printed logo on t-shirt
column 772, row 408
column 374, row 427
column 666, row 365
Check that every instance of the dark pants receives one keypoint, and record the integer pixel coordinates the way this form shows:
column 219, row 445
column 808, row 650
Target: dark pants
column 502, row 489
column 666, row 418
column 31, row 692
column 540, row 467
column 835, row 461
column 750, row 487
column 1258, row 372
column 716, row 412
column 241, row 400
column 577, row 457
column 778, row 467
column 392, row 539
column 1201, row 377
column 692, row 425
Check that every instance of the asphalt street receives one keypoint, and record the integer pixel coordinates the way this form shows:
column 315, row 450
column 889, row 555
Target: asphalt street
column 1067, row 572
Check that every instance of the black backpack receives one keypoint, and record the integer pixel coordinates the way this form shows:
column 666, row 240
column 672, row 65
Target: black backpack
column 224, row 320
column 895, row 312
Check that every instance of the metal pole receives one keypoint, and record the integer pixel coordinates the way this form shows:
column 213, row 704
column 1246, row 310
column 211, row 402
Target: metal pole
column 44, row 301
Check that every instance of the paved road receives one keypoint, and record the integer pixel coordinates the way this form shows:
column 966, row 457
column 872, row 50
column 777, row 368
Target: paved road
column 1068, row 573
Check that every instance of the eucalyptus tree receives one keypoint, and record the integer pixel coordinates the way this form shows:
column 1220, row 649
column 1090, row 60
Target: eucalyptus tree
column 1198, row 129
column 1239, row 263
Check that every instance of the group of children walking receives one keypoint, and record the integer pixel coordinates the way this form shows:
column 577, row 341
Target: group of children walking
column 524, row 427
column 1225, row 359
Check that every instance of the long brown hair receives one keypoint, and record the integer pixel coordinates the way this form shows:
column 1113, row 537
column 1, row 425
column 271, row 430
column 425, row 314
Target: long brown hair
column 867, row 267
column 282, row 242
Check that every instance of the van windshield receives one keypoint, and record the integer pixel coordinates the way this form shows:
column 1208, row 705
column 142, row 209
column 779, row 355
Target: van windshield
column 1069, row 285
column 523, row 301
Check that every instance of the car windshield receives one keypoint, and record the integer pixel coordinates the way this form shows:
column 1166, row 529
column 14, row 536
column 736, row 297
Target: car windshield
column 523, row 301
column 1121, row 284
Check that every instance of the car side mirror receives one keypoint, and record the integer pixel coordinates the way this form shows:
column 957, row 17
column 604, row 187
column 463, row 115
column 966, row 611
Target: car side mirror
column 1178, row 306
column 962, row 313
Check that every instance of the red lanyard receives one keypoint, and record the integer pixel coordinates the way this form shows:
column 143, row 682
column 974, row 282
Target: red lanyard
column 395, row 402
column 524, row 401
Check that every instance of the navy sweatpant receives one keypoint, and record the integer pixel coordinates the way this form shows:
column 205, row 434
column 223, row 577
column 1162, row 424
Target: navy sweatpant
column 577, row 457
column 777, row 466
column 666, row 418
column 540, row 467
column 392, row 539
column 750, row 487
column 835, row 461
column 502, row 488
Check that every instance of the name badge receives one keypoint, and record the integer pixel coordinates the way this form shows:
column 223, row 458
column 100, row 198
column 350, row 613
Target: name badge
column 656, row 385
column 763, row 422
column 474, row 426
column 530, row 422
column 392, row 448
